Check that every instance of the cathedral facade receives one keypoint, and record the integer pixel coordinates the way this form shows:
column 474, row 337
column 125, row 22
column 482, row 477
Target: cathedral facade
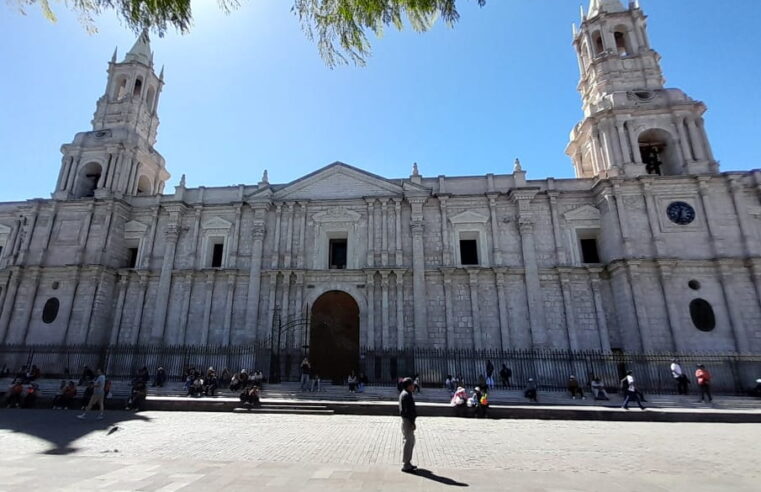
column 649, row 248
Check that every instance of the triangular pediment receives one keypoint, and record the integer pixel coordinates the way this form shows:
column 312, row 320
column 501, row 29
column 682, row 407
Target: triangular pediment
column 135, row 226
column 216, row 223
column 338, row 181
column 469, row 217
column 585, row 212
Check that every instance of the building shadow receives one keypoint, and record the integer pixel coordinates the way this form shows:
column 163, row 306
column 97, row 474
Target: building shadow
column 62, row 427
column 428, row 474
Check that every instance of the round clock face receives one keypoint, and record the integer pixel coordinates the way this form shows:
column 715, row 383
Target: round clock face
column 680, row 213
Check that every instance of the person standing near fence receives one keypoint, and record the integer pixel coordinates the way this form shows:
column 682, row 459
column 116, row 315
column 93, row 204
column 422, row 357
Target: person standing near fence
column 306, row 370
column 98, row 395
column 704, row 383
column 408, row 413
column 679, row 376
column 631, row 391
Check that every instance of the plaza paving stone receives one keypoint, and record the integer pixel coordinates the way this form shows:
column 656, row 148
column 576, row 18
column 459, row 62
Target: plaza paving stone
column 52, row 450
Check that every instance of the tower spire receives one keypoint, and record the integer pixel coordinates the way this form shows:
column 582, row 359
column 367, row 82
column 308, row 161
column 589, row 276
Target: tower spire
column 141, row 50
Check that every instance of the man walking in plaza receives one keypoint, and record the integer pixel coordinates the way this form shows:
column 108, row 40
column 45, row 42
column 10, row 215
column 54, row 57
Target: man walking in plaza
column 98, row 394
column 631, row 391
column 408, row 413
column 704, row 383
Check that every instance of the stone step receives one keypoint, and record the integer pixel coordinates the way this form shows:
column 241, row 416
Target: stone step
column 285, row 410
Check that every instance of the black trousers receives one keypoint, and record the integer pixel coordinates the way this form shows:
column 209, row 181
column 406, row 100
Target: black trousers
column 705, row 390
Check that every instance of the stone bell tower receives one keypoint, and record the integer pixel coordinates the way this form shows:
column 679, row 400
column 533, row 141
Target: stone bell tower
column 117, row 157
column 632, row 124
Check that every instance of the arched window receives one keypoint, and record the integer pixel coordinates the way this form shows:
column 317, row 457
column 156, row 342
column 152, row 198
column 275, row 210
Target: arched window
column 138, row 87
column 622, row 44
column 50, row 310
column 149, row 98
column 597, row 42
column 120, row 88
column 87, row 182
column 659, row 153
column 144, row 186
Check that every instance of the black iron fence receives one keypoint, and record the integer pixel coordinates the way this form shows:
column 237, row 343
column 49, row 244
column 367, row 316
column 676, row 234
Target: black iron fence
column 732, row 373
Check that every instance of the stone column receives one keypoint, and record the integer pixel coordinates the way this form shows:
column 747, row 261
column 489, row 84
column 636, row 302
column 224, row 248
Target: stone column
column 570, row 318
column 370, row 287
column 302, row 235
column 497, row 252
column 196, row 232
column 559, row 249
column 445, row 257
column 704, row 138
column 639, row 308
column 618, row 209
column 289, row 234
column 683, row 140
column 122, row 294
column 271, row 310
column 150, row 243
column 670, row 292
column 300, row 332
column 449, row 303
column 533, row 285
column 398, row 234
column 370, row 231
column 206, row 326
column 384, row 232
column 746, row 230
column 623, row 142
column 697, row 143
column 504, row 323
column 235, row 237
column 636, row 154
column 734, row 305
column 185, row 311
column 34, row 275
column 418, row 270
column 478, row 337
column 138, row 319
column 652, row 218
column 227, row 326
column 602, row 323
column 165, row 283
column 384, row 310
column 8, row 305
column 255, row 272
column 276, row 244
column 399, row 309
column 285, row 306
column 596, row 155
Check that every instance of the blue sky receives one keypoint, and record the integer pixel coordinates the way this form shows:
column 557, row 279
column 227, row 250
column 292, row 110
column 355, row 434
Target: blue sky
column 249, row 92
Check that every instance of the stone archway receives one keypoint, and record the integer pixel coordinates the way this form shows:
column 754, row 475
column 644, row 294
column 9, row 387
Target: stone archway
column 334, row 335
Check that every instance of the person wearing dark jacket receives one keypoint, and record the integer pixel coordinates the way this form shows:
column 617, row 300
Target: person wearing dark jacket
column 408, row 413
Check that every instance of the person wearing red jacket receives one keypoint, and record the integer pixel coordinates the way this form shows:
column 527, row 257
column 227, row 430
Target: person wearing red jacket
column 704, row 383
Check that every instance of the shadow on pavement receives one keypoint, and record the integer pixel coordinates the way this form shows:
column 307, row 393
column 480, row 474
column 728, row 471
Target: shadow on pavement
column 61, row 428
column 422, row 472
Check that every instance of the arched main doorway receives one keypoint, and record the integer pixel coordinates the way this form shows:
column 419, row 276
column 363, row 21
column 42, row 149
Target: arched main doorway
column 334, row 335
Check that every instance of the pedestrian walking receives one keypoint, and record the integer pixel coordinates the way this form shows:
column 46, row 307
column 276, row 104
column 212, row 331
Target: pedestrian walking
column 306, row 370
column 704, row 383
column 98, row 394
column 631, row 391
column 408, row 413
column 505, row 373
column 679, row 377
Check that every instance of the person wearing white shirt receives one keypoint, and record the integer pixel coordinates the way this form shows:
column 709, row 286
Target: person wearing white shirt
column 98, row 394
column 631, row 391
column 679, row 376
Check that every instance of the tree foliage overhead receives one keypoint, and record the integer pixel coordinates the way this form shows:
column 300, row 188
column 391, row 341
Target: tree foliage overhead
column 339, row 27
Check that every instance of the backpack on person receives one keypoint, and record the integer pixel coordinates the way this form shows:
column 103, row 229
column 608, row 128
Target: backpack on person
column 485, row 400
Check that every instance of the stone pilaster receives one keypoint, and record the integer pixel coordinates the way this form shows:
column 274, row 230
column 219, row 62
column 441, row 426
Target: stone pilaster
column 289, row 234
column 399, row 309
column 385, row 339
column 478, row 337
column 671, row 298
column 445, row 251
column 734, row 305
column 9, row 303
column 418, row 270
column 120, row 297
column 276, row 243
column 506, row 340
column 384, row 232
column 398, row 234
column 448, row 274
column 496, row 251
column 227, row 325
column 187, row 292
column 370, row 231
column 602, row 323
column 165, row 279
column 138, row 319
column 570, row 318
column 206, row 320
column 255, row 271
column 370, row 289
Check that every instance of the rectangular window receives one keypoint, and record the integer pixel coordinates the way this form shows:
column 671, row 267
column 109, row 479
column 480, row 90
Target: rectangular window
column 217, row 254
column 589, row 253
column 337, row 254
column 131, row 257
column 468, row 252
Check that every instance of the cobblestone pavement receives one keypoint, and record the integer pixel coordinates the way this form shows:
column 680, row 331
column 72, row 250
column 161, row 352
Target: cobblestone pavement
column 52, row 450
